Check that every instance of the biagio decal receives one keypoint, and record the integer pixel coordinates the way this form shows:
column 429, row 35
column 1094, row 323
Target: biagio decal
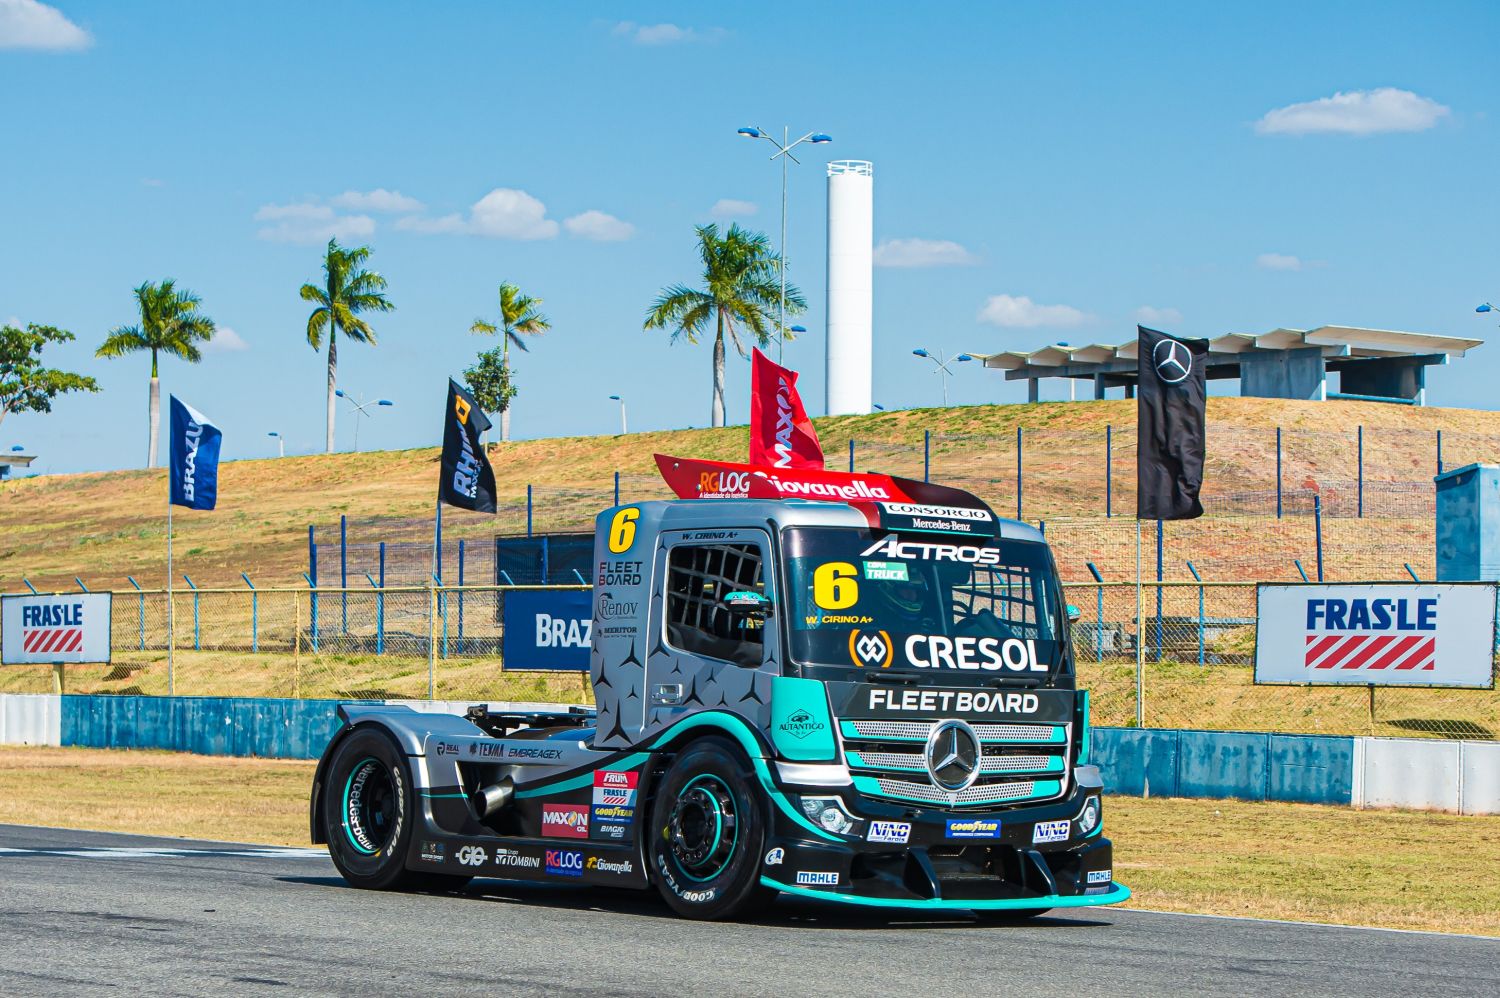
column 623, row 867
column 1050, row 831
column 776, row 856
column 565, row 821
column 799, row 724
column 564, row 863
column 972, row 828
column 894, row 832
column 514, row 858
column 953, row 701
column 818, row 878
column 472, row 856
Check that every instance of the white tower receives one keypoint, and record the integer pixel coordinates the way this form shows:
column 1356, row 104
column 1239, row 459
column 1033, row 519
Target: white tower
column 851, row 279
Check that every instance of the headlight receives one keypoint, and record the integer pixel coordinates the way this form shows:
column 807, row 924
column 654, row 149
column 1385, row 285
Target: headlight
column 828, row 813
column 1088, row 818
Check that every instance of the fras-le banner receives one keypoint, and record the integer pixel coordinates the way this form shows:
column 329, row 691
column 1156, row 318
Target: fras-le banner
column 47, row 629
column 1381, row 634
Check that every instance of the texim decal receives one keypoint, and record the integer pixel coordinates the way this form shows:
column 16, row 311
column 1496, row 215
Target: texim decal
column 972, row 828
column 1050, row 831
column 822, row 878
column 800, row 724
column 871, row 648
column 564, row 863
column 895, row 832
column 565, row 821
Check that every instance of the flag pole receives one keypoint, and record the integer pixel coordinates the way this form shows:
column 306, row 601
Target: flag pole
column 171, row 615
column 1140, row 648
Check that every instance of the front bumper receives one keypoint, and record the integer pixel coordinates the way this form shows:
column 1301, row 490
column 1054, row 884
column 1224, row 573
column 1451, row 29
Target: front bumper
column 1116, row 894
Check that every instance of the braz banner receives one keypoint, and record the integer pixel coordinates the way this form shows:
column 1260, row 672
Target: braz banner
column 1376, row 634
column 547, row 629
column 49, row 629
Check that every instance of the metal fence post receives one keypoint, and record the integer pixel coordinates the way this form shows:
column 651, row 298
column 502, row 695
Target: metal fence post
column 617, row 488
column 1194, row 570
column 851, row 455
column 432, row 640
column 528, row 509
column 1318, row 531
column 1439, row 452
column 1361, row 459
column 197, row 631
column 142, row 600
column 1160, row 551
column 460, row 595
column 254, row 614
column 1099, row 617
column 380, row 607
column 1109, row 462
column 1018, row 473
column 1278, row 472
column 344, row 573
column 926, row 455
column 312, row 585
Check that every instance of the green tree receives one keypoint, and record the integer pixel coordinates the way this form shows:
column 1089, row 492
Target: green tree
column 518, row 317
column 25, row 385
column 489, row 380
column 740, row 293
column 347, row 291
column 170, row 324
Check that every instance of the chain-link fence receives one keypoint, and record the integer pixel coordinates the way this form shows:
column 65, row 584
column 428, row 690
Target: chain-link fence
column 1197, row 644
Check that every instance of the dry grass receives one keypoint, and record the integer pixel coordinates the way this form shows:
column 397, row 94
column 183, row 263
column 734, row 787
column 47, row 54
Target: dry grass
column 1410, row 870
column 104, row 526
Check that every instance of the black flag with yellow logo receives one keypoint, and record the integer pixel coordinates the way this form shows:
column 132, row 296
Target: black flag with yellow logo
column 467, row 480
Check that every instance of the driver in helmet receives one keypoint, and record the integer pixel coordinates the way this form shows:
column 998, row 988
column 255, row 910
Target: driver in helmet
column 910, row 602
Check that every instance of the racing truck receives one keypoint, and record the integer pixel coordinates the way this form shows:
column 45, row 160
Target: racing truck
column 854, row 688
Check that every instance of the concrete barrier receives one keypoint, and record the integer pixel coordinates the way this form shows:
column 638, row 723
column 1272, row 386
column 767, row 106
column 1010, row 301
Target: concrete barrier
column 30, row 719
column 1432, row 776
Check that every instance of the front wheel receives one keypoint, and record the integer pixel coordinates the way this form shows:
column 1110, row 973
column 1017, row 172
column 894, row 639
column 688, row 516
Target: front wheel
column 707, row 832
column 369, row 811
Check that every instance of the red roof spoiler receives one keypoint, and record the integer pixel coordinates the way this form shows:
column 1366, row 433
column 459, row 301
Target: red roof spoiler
column 887, row 501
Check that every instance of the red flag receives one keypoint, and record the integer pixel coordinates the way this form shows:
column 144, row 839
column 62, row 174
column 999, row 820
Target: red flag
column 781, row 435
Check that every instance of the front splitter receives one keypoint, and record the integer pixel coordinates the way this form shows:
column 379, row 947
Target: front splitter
column 1116, row 894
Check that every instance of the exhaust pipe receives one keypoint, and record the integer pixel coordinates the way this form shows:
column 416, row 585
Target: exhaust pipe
column 491, row 799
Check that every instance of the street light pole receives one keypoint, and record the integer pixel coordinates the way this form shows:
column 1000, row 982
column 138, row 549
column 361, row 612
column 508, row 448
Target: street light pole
column 784, row 151
column 360, row 409
column 623, row 428
column 280, row 443
column 943, row 371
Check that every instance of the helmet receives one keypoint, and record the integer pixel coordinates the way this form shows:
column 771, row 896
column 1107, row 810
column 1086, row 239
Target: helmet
column 907, row 596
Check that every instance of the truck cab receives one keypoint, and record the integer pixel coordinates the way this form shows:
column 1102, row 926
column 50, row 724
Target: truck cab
column 862, row 702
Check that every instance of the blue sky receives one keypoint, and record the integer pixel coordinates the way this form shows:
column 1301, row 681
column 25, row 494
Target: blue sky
column 1233, row 167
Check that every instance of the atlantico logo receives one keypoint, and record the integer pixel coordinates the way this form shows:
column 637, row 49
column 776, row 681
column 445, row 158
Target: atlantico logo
column 800, row 724
column 873, row 649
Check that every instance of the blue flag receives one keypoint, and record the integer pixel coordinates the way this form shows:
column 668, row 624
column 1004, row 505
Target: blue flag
column 194, row 446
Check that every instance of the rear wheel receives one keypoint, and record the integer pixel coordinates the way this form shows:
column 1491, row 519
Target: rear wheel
column 369, row 812
column 707, row 830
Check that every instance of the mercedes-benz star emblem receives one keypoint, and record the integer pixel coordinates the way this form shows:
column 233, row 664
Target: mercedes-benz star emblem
column 953, row 756
column 1172, row 360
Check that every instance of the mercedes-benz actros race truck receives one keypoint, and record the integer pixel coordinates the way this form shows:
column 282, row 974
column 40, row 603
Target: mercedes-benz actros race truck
column 848, row 687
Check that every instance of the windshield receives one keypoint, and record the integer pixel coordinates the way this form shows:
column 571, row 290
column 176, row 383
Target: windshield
column 899, row 603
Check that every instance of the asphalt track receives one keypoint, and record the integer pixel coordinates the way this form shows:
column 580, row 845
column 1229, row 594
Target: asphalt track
column 92, row 913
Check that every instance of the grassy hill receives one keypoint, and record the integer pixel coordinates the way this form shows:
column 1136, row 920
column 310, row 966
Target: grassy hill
column 104, row 526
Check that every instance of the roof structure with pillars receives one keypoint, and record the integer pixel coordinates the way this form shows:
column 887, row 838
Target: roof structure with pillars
column 1383, row 365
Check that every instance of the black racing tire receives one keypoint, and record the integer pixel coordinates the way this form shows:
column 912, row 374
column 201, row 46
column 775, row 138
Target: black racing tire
column 707, row 833
column 369, row 810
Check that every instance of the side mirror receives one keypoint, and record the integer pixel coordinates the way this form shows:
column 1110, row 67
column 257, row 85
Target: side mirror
column 1073, row 614
column 746, row 603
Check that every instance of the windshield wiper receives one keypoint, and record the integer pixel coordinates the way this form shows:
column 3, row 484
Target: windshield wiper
column 894, row 678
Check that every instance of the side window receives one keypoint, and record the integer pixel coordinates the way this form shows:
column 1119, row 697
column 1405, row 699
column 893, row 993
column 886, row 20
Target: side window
column 698, row 578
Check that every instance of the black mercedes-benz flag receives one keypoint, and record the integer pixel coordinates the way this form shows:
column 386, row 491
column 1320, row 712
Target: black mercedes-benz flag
column 1170, row 407
column 467, row 480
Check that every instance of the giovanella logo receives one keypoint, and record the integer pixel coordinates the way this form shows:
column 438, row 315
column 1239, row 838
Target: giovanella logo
column 799, row 724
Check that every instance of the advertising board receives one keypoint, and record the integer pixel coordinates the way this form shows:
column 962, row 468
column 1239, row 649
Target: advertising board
column 49, row 629
column 546, row 629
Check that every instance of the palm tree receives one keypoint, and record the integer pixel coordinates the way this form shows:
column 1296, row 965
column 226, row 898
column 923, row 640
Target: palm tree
column 347, row 291
column 741, row 290
column 171, row 324
column 518, row 317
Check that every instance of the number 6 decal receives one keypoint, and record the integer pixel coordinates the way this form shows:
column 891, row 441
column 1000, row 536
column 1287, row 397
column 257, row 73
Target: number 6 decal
column 835, row 586
column 622, row 530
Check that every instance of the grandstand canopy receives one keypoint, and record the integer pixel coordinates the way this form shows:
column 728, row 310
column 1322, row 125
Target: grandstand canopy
column 1383, row 365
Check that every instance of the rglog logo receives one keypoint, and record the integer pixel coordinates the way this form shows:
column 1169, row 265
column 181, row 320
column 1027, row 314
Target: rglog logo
column 724, row 484
column 799, row 724
column 871, row 648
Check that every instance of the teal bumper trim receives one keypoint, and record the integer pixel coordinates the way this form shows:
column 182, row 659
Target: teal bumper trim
column 1116, row 894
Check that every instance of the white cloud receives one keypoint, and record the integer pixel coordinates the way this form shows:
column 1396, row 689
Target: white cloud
column 922, row 253
column 664, row 34
column 1357, row 112
column 599, row 226
column 26, row 24
column 310, row 222
column 1278, row 261
column 152, row 182
column 1151, row 316
column 380, row 199
column 503, row 213
column 732, row 208
column 226, row 340
column 13, row 321
column 1021, row 312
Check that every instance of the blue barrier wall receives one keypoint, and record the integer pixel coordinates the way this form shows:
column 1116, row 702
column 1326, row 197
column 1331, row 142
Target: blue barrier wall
column 1312, row 769
column 272, row 729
